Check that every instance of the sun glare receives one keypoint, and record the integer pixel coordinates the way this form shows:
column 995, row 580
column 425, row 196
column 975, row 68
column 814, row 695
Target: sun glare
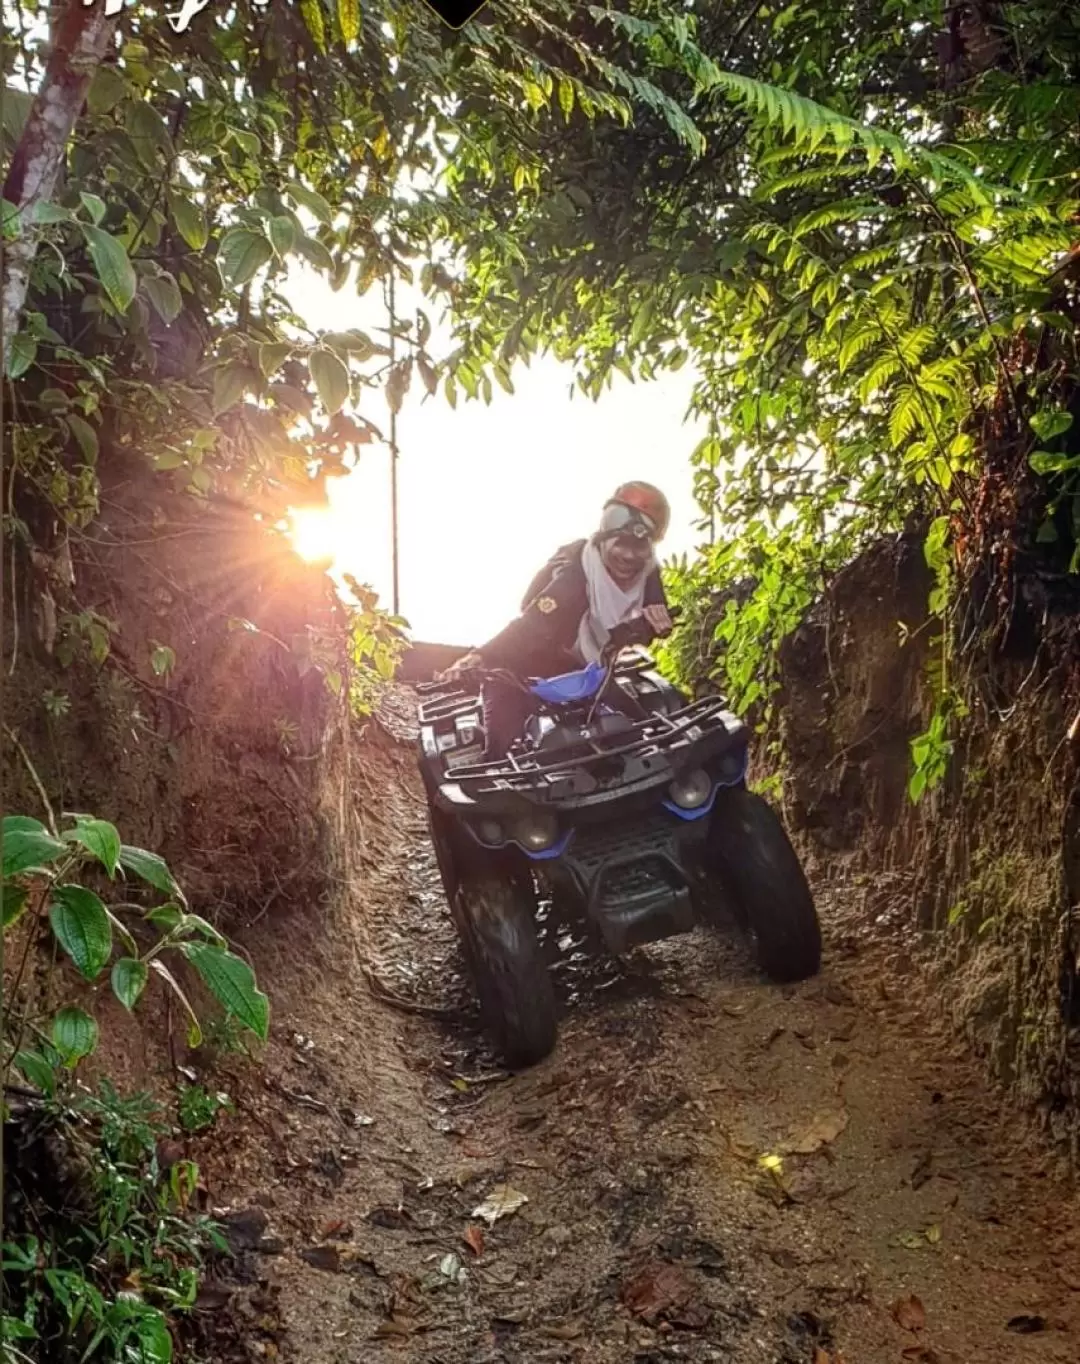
column 316, row 533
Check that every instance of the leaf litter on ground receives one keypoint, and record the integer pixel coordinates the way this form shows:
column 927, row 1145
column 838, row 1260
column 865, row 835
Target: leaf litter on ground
column 822, row 1131
column 909, row 1313
column 502, row 1201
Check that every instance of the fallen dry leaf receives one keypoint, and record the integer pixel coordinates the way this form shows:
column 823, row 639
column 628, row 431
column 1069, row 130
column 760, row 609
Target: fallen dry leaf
column 663, row 1291
column 500, row 1202
column 823, row 1131
column 909, row 1313
column 323, row 1257
column 337, row 1230
column 570, row 1330
column 474, row 1239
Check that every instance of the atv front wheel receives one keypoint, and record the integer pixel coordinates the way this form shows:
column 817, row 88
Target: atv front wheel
column 495, row 919
column 762, row 873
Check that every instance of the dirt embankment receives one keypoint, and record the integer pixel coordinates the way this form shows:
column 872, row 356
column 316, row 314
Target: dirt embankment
column 211, row 759
column 707, row 1169
column 217, row 760
column 987, row 866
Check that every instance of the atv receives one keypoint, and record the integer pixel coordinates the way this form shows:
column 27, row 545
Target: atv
column 623, row 805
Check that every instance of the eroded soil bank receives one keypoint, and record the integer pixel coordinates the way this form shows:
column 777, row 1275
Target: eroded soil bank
column 708, row 1168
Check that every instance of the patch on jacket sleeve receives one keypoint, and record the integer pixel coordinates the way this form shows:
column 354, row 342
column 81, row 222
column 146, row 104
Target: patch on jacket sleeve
column 546, row 605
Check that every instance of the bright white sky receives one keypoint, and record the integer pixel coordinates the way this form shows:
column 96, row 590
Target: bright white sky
column 486, row 494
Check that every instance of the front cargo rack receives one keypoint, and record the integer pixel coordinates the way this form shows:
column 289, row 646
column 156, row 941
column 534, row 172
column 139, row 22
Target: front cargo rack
column 659, row 746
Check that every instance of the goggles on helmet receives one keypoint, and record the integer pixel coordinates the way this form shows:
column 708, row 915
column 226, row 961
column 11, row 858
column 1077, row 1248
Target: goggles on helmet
column 621, row 520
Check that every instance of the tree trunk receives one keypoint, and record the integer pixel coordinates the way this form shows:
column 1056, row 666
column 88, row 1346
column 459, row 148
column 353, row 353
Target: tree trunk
column 82, row 39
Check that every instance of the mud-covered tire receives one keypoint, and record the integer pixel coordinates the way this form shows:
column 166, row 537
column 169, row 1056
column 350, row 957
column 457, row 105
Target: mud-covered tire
column 763, row 875
column 444, row 840
column 495, row 920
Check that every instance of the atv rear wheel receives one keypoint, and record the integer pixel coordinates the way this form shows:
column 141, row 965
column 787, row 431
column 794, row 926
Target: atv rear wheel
column 762, row 873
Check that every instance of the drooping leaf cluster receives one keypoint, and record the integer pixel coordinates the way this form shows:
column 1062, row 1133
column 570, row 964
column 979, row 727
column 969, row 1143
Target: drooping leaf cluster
column 207, row 164
column 864, row 248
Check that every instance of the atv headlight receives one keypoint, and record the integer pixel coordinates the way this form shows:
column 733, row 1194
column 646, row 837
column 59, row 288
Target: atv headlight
column 490, row 833
column 691, row 791
column 537, row 833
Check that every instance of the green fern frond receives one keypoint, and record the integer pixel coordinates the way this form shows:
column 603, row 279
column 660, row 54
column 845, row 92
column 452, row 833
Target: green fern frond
column 914, row 344
column 904, row 417
column 812, row 178
column 874, row 258
column 844, row 211
column 856, row 343
column 884, row 368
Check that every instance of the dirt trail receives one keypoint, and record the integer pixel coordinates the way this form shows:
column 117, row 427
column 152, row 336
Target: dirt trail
column 897, row 1215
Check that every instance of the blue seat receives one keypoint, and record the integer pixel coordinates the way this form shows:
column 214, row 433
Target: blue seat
column 568, row 687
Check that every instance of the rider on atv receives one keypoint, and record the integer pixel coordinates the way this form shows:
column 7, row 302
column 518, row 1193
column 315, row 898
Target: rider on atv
column 573, row 604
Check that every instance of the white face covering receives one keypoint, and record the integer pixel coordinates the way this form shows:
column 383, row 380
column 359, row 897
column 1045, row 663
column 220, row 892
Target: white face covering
column 609, row 603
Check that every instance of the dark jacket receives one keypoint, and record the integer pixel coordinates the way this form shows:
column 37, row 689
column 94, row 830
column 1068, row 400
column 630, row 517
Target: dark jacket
column 540, row 642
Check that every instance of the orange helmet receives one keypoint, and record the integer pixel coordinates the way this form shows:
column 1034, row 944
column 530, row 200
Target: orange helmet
column 648, row 502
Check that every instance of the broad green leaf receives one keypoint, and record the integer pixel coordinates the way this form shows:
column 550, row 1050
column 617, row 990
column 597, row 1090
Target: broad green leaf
column 1047, row 462
column 354, row 342
column 1047, row 425
column 164, row 293
column 241, row 254
column 37, row 1070
column 165, row 916
column 14, row 901
column 282, row 234
column 22, row 354
column 112, row 265
column 190, row 220
column 99, row 837
column 348, row 12
column 195, row 923
column 74, row 1035
column 107, row 89
column 231, row 382
column 85, row 435
column 311, row 200
column 272, row 355
column 642, row 320
column 232, row 983
column 151, row 868
column 330, row 377
column 10, row 221
column 82, row 928
column 25, row 848
column 23, row 824
column 148, row 133
column 155, row 1344
column 47, row 213
column 314, row 252
column 129, row 977
column 93, row 205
